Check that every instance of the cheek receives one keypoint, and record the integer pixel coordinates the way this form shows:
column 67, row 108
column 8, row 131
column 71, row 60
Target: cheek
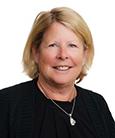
column 78, row 59
column 46, row 58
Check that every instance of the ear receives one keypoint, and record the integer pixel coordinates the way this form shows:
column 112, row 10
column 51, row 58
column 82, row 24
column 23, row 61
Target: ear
column 35, row 53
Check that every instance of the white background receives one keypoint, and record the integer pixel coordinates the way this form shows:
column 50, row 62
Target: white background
column 16, row 18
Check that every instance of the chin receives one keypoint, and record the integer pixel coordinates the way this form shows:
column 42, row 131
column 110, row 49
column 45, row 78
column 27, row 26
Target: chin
column 62, row 81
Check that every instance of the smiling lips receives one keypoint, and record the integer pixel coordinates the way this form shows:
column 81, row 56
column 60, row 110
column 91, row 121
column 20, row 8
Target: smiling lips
column 62, row 67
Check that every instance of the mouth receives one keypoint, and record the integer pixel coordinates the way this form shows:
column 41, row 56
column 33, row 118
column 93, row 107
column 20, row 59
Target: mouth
column 62, row 67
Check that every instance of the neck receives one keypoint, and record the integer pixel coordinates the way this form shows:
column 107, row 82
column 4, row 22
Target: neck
column 65, row 93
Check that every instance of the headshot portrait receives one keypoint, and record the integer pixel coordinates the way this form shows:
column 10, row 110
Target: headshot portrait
column 52, row 102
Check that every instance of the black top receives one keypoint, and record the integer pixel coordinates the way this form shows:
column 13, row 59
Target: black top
column 26, row 113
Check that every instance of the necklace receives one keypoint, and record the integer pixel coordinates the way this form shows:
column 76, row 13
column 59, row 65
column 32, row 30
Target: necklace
column 72, row 120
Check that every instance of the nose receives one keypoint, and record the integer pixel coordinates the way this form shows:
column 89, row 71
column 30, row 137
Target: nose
column 62, row 54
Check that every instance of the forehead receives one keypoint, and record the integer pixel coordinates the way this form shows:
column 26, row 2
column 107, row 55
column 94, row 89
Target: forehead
column 60, row 32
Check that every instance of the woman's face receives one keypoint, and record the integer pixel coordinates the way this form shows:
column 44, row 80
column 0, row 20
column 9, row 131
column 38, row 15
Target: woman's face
column 60, row 56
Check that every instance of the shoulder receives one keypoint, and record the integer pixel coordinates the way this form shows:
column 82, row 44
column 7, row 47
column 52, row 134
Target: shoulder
column 21, row 86
column 98, row 110
column 89, row 93
column 94, row 101
column 17, row 91
column 13, row 101
column 16, row 95
column 92, row 97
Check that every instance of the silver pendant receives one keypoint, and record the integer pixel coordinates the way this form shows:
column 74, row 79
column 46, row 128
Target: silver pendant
column 72, row 121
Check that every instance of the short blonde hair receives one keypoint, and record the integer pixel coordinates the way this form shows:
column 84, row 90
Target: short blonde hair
column 68, row 18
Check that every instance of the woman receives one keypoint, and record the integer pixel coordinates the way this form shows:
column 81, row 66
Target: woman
column 58, row 53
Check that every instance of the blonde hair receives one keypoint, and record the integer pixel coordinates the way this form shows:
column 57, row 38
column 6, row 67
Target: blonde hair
column 68, row 18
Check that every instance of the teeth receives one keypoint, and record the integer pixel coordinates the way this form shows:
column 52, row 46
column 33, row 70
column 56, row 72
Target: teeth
column 62, row 68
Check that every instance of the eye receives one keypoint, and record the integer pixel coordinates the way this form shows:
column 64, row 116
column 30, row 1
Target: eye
column 52, row 45
column 73, row 45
